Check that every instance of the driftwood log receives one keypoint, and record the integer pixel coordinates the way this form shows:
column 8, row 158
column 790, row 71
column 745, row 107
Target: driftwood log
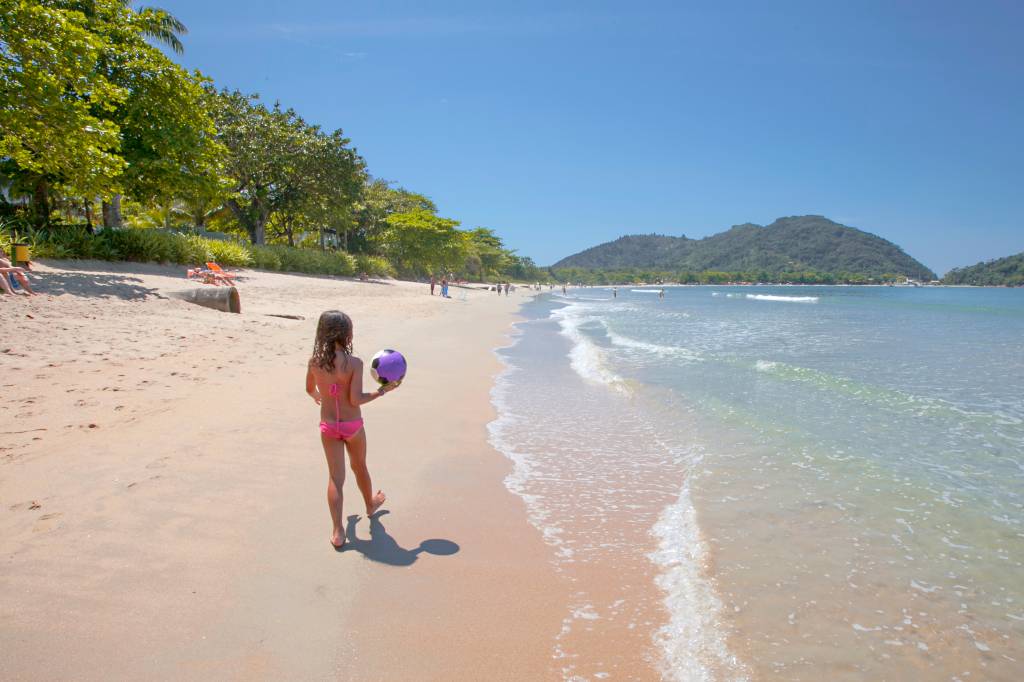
column 224, row 299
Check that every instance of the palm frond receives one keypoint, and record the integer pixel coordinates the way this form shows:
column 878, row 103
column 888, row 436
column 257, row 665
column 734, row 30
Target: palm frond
column 162, row 26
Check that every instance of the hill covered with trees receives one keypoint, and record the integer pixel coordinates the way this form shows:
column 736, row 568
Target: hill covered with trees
column 1007, row 271
column 789, row 245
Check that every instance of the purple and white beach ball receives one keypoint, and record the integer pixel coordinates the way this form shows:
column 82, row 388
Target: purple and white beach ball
column 387, row 366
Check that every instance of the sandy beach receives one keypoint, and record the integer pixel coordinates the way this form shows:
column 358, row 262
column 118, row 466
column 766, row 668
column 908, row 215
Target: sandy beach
column 163, row 489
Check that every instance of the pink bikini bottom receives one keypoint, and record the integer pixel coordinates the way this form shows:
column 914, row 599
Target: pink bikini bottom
column 341, row 430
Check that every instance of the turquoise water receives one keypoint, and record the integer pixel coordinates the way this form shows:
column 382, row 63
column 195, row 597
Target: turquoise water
column 790, row 482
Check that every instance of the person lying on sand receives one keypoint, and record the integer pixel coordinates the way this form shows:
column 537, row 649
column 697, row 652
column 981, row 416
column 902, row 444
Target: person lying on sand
column 207, row 276
column 334, row 372
column 8, row 270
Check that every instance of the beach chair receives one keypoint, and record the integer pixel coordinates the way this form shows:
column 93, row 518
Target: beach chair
column 208, row 276
column 220, row 272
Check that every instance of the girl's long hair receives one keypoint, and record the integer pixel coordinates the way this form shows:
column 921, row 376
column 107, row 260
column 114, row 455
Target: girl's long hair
column 334, row 330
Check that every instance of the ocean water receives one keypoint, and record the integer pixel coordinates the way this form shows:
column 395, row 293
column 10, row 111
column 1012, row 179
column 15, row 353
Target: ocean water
column 776, row 482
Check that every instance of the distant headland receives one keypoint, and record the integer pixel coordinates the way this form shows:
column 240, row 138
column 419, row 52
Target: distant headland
column 1005, row 272
column 805, row 249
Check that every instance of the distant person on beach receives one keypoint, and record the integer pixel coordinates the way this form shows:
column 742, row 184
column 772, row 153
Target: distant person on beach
column 615, row 292
column 433, row 283
column 11, row 275
column 507, row 285
column 444, row 287
column 661, row 293
column 334, row 380
column 563, row 290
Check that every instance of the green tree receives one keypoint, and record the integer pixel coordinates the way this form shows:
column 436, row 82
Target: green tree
column 90, row 105
column 168, row 134
column 326, row 179
column 55, row 100
column 419, row 242
column 267, row 155
column 489, row 251
column 378, row 200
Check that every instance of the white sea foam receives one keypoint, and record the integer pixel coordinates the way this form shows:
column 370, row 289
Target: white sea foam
column 522, row 469
column 677, row 352
column 645, row 291
column 785, row 299
column 585, row 357
column 693, row 642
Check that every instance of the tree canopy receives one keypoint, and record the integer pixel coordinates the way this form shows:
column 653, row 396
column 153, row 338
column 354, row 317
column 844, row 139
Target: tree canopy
column 92, row 110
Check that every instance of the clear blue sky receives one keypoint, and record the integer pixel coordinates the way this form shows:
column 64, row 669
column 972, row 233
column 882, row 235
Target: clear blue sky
column 566, row 124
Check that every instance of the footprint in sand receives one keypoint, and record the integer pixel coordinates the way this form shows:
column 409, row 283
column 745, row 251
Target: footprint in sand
column 46, row 522
column 151, row 478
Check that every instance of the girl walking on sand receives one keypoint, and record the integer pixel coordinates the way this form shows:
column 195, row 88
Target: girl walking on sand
column 334, row 380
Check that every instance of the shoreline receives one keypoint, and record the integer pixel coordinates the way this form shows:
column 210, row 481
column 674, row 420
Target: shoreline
column 170, row 521
column 615, row 598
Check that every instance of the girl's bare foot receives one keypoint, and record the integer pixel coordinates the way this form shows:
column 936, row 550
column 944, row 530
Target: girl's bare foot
column 338, row 539
column 375, row 503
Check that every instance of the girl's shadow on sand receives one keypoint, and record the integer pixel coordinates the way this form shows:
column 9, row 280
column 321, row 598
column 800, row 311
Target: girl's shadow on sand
column 383, row 548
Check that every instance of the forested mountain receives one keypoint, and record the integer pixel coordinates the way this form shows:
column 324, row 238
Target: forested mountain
column 800, row 243
column 1007, row 271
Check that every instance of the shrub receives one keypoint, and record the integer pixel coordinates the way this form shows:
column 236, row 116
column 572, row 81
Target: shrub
column 295, row 260
column 345, row 263
column 140, row 245
column 314, row 262
column 195, row 250
column 63, row 242
column 163, row 246
column 228, row 253
column 374, row 265
column 265, row 258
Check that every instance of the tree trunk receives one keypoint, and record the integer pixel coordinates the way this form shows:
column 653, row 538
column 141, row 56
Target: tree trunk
column 261, row 226
column 115, row 210
column 87, row 209
column 41, row 201
column 256, row 225
column 112, row 211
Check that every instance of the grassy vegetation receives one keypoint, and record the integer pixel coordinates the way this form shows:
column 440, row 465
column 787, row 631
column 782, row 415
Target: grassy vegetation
column 159, row 246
